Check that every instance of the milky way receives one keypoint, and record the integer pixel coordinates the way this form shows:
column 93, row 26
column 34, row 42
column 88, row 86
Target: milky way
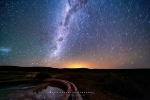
column 75, row 33
column 64, row 28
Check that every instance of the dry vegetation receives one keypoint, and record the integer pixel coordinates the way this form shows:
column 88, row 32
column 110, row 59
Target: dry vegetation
column 109, row 85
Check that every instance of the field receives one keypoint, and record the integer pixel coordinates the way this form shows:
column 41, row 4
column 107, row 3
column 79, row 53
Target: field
column 109, row 84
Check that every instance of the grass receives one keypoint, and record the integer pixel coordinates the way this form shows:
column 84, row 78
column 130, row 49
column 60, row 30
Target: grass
column 118, row 84
column 7, row 75
column 107, row 85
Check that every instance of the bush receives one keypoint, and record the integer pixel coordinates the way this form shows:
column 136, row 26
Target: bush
column 121, row 85
column 42, row 75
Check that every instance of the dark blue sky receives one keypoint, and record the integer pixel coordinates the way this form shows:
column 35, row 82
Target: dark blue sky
column 92, row 34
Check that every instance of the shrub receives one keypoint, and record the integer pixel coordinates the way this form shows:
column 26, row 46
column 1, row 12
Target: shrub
column 121, row 85
column 42, row 75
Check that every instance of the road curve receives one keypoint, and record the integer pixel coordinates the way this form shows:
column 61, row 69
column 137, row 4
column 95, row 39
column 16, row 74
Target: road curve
column 71, row 93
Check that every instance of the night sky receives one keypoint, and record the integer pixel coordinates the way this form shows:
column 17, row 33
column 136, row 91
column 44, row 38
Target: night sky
column 75, row 33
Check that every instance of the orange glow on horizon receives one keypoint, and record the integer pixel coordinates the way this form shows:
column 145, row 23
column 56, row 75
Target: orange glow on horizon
column 77, row 65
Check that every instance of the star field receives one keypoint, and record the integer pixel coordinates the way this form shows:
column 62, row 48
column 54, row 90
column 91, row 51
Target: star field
column 75, row 33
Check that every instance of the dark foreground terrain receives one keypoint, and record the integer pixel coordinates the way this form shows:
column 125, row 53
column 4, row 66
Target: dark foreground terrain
column 102, row 84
